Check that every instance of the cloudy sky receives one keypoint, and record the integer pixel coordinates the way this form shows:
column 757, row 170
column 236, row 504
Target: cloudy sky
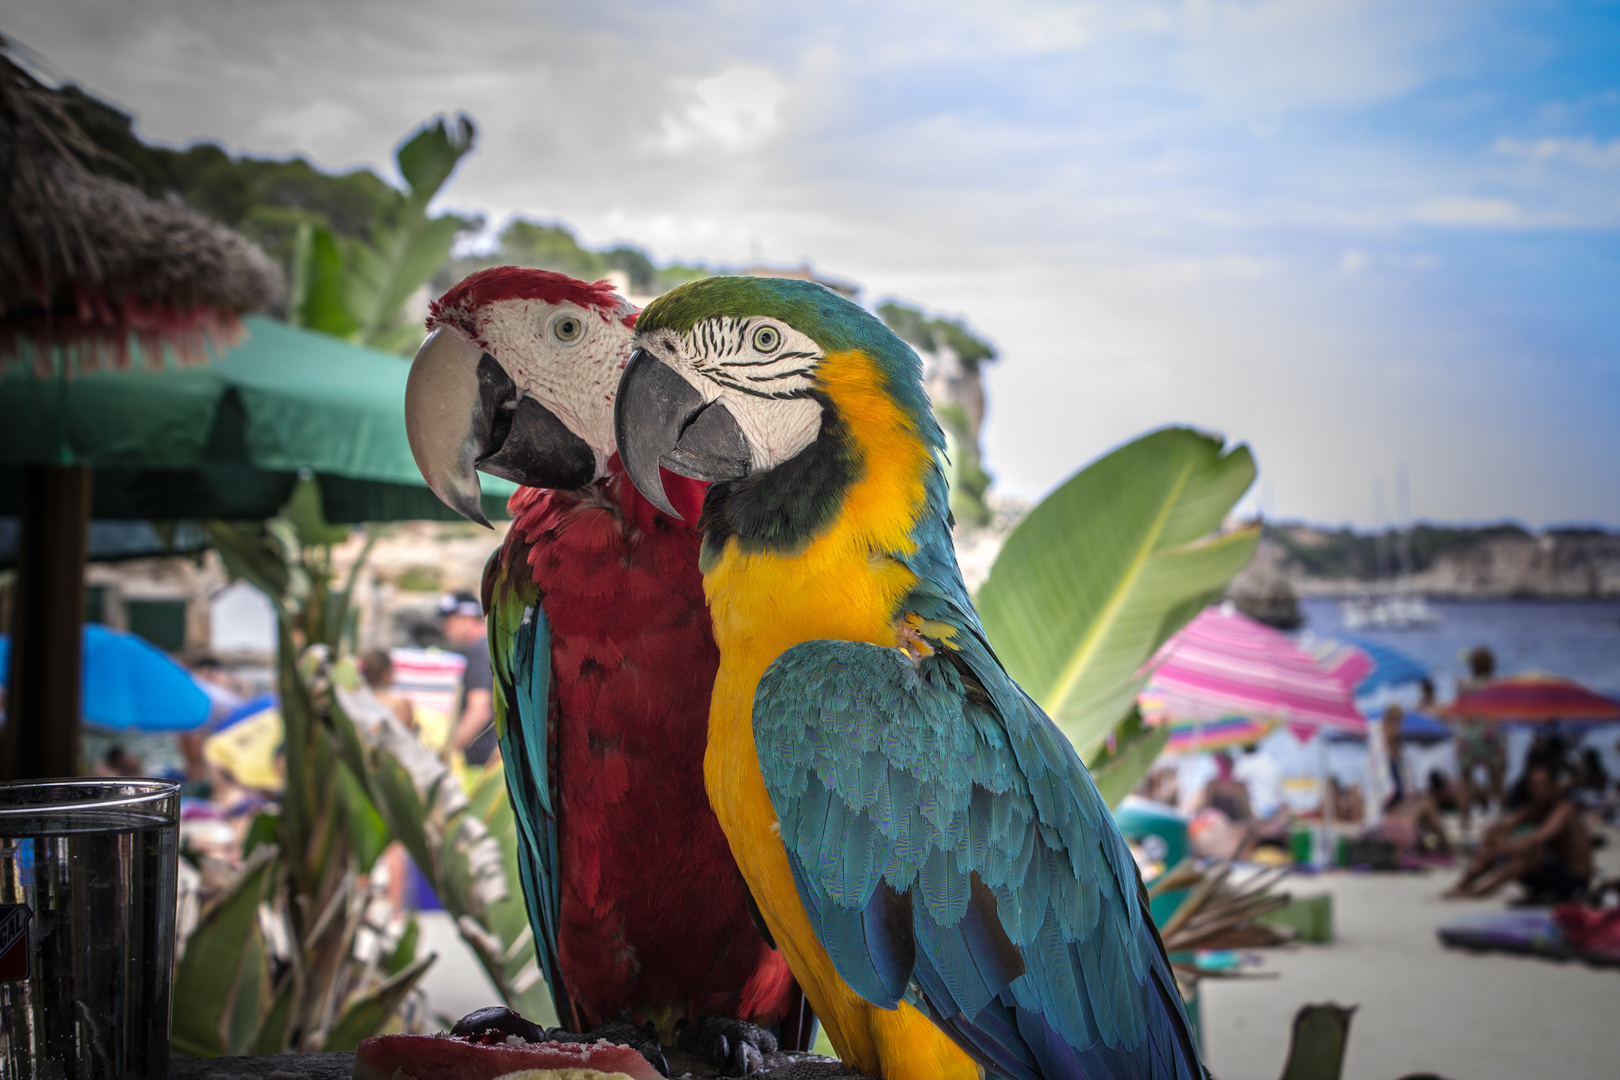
column 1359, row 236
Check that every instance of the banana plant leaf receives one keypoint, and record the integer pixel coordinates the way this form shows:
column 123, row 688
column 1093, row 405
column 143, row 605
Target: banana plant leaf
column 222, row 980
column 1119, row 768
column 357, row 289
column 1107, row 567
column 228, row 440
column 464, row 840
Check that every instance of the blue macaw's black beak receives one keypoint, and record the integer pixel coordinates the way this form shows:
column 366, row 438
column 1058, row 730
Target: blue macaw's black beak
column 660, row 419
column 464, row 415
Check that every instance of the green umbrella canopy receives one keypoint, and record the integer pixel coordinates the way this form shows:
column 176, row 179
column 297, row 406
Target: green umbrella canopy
column 228, row 439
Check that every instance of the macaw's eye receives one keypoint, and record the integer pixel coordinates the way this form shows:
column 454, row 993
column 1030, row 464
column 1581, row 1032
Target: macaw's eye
column 767, row 339
column 568, row 328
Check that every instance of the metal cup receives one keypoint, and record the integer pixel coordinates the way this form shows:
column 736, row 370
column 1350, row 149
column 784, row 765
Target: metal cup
column 87, row 901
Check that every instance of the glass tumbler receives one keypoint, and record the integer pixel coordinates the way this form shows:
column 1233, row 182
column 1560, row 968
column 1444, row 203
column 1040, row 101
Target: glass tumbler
column 87, row 902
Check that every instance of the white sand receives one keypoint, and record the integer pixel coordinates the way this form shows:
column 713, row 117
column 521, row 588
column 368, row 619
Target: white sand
column 1423, row 1007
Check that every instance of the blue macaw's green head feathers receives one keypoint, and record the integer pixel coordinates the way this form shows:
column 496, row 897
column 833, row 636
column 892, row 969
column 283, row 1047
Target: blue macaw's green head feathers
column 741, row 381
column 832, row 322
column 835, row 323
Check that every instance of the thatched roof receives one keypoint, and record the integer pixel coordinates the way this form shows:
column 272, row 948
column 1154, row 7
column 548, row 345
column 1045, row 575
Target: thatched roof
column 87, row 263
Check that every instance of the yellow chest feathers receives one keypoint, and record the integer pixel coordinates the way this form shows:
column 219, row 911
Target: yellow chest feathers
column 845, row 583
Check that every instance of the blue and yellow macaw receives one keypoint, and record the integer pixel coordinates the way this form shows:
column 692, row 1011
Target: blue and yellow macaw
column 924, row 845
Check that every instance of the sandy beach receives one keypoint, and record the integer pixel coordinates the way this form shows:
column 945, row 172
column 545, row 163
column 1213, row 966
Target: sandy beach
column 1423, row 1008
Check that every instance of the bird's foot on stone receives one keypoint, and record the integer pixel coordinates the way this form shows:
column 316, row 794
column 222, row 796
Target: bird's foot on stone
column 736, row 1046
column 623, row 1030
column 494, row 1024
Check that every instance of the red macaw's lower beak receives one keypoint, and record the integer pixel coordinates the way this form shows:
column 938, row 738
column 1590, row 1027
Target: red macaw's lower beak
column 660, row 419
column 463, row 415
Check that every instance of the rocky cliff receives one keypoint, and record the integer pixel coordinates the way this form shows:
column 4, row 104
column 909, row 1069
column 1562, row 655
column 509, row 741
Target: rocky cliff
column 1490, row 562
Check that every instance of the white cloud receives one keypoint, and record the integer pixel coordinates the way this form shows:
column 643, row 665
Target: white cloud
column 1162, row 212
column 1286, row 55
column 1586, row 152
column 734, row 110
column 1468, row 212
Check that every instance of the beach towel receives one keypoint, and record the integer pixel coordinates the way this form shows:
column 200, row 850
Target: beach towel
column 1531, row 932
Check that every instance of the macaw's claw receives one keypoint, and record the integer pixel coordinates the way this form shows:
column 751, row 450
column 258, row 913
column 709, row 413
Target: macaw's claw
column 624, row 1030
column 494, row 1024
column 736, row 1046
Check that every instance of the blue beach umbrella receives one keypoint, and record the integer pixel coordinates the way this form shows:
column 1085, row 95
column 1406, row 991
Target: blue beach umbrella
column 1391, row 667
column 1417, row 728
column 129, row 683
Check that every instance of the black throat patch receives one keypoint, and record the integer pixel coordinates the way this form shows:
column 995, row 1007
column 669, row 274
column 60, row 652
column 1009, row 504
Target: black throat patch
column 783, row 509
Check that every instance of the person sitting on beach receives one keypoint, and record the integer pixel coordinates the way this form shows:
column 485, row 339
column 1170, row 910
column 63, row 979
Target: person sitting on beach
column 1442, row 792
column 1551, row 855
column 1226, row 792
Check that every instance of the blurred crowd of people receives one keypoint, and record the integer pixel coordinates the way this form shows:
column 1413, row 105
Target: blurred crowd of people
column 1537, row 831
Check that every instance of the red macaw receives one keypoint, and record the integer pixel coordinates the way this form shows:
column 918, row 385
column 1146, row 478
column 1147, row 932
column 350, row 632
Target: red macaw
column 604, row 665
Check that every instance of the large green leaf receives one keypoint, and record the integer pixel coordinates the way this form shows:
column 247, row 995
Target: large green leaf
column 428, row 157
column 399, row 260
column 1129, row 756
column 1108, row 566
column 357, row 289
column 364, row 1016
column 319, row 297
column 224, row 964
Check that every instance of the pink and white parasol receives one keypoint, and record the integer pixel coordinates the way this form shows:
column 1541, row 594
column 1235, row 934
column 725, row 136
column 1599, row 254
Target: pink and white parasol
column 1225, row 664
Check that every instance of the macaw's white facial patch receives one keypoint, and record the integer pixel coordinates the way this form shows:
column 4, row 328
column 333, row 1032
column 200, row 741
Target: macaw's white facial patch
column 566, row 357
column 761, row 369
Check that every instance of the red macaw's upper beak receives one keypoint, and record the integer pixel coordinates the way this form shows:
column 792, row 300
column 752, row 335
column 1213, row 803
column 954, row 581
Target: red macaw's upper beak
column 660, row 419
column 463, row 414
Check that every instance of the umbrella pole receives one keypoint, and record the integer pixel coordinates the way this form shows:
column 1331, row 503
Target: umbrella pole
column 41, row 735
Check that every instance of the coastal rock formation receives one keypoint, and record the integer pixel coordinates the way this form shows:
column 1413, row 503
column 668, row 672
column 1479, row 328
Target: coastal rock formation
column 1490, row 562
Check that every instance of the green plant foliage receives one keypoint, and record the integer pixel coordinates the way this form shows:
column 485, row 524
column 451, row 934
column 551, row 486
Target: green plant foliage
column 1107, row 567
column 429, row 579
column 262, row 830
column 368, row 835
column 404, row 954
column 547, row 246
column 329, row 830
column 1127, row 757
column 273, row 1034
column 928, row 335
column 464, row 840
column 223, row 966
column 366, row 1015
column 357, row 288
column 316, row 285
column 1316, row 1047
column 964, row 471
column 266, row 199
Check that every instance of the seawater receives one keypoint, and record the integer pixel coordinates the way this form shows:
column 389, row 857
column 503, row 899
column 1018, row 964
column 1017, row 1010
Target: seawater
column 95, row 1002
column 1579, row 639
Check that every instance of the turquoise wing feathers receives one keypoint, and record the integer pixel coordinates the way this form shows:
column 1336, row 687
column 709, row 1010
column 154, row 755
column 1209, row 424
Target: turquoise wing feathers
column 951, row 850
column 520, row 656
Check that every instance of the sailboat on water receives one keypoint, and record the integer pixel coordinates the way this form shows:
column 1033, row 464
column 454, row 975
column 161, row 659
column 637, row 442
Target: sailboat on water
column 1398, row 609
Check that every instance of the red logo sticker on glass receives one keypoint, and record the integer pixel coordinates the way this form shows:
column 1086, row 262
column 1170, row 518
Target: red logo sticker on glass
column 14, row 919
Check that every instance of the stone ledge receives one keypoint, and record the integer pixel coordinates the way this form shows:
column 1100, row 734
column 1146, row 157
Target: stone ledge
column 341, row 1066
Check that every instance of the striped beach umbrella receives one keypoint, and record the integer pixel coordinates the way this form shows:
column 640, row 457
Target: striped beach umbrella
column 1535, row 698
column 1225, row 664
column 1206, row 736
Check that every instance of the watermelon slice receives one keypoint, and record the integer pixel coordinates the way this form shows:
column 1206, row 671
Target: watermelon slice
column 447, row 1057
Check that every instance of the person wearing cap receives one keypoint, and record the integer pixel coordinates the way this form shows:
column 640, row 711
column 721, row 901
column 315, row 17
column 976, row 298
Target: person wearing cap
column 461, row 617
